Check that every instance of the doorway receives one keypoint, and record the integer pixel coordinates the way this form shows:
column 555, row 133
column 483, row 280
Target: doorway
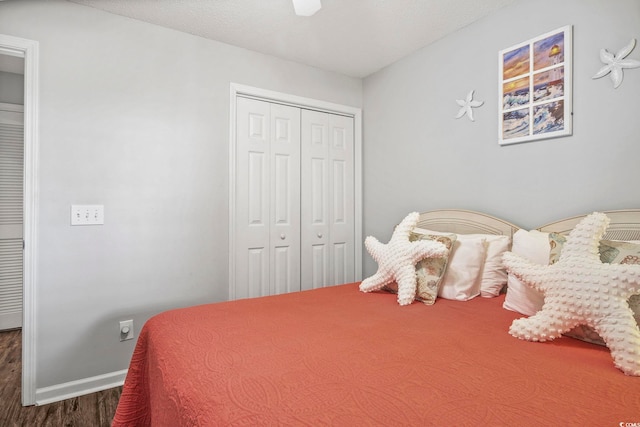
column 27, row 51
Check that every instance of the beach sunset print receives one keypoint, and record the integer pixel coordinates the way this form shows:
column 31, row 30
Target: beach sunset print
column 515, row 124
column 515, row 63
column 515, row 93
column 535, row 88
column 548, row 84
column 548, row 117
column 548, row 51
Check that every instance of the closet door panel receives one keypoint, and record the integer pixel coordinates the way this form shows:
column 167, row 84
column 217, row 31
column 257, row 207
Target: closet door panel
column 252, row 198
column 319, row 267
column 283, row 280
column 285, row 199
column 341, row 264
column 256, row 282
column 256, row 191
column 318, row 192
column 342, row 207
column 315, row 259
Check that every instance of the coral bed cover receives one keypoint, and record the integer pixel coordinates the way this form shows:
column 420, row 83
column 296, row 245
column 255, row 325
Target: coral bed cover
column 336, row 356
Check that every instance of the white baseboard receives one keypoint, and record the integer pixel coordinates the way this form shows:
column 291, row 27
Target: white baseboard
column 58, row 392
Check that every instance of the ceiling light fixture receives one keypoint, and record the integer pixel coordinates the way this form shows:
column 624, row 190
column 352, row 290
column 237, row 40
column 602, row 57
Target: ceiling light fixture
column 306, row 7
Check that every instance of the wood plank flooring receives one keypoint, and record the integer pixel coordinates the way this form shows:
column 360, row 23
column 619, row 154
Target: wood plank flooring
column 92, row 410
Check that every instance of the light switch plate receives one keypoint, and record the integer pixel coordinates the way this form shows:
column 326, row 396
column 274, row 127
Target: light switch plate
column 87, row 214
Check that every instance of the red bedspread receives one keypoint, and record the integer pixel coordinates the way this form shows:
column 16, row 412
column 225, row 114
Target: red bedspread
column 335, row 356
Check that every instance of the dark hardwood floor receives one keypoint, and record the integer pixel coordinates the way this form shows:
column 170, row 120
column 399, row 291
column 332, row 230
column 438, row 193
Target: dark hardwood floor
column 92, row 410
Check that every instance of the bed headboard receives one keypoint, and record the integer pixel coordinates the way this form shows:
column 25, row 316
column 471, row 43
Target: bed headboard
column 465, row 222
column 625, row 225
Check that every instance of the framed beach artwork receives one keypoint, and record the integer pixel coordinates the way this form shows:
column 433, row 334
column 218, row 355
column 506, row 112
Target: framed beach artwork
column 535, row 88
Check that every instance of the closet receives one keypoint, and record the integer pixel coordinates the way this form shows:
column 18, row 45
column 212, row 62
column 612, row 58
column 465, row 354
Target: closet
column 294, row 213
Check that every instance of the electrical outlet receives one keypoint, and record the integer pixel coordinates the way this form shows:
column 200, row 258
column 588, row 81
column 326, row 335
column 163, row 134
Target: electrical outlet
column 87, row 214
column 126, row 330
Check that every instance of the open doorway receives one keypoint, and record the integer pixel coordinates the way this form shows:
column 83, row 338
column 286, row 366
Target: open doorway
column 22, row 54
column 11, row 219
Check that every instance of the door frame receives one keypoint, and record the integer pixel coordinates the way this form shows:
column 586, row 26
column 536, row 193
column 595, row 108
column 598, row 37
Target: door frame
column 300, row 102
column 28, row 49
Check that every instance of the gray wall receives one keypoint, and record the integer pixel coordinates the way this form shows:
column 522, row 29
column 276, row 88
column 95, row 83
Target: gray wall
column 135, row 117
column 418, row 157
column 11, row 88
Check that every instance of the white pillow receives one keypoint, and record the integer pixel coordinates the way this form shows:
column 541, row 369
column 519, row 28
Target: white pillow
column 493, row 274
column 463, row 277
column 534, row 246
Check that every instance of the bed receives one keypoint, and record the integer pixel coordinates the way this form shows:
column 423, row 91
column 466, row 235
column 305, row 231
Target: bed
column 337, row 356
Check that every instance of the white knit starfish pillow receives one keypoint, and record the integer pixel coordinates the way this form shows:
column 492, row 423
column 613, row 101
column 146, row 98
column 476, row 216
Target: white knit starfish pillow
column 397, row 259
column 580, row 290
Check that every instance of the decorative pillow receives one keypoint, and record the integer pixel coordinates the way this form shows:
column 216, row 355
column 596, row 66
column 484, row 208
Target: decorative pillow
column 556, row 241
column 429, row 271
column 493, row 276
column 611, row 252
column 464, row 273
column 580, row 290
column 616, row 252
column 534, row 246
column 397, row 259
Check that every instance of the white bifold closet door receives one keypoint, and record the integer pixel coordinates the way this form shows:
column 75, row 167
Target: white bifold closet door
column 267, row 198
column 11, row 230
column 327, row 205
column 294, row 208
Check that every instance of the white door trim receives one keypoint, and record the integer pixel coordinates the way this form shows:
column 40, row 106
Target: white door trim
column 28, row 49
column 302, row 102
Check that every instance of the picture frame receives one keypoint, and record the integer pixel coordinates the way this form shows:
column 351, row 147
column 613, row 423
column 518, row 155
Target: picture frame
column 535, row 88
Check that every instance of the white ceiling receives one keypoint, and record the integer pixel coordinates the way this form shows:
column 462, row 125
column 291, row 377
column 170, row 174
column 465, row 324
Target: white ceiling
column 351, row 37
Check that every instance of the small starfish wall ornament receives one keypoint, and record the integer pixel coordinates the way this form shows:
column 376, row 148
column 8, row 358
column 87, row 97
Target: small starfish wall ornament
column 581, row 290
column 397, row 259
column 467, row 105
column 615, row 64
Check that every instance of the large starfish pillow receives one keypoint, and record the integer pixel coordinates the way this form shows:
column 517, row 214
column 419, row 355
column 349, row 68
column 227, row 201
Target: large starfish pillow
column 580, row 290
column 397, row 259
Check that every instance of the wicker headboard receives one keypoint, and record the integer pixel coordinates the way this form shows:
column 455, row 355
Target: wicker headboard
column 465, row 222
column 625, row 225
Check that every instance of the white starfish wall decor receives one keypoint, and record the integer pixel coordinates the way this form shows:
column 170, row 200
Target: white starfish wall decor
column 467, row 105
column 615, row 64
